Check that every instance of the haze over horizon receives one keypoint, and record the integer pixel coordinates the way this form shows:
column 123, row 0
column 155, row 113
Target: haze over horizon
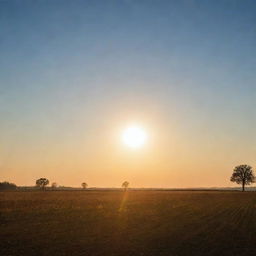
column 75, row 74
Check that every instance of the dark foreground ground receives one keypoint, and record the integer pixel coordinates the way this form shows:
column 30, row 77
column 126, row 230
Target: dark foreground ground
column 134, row 223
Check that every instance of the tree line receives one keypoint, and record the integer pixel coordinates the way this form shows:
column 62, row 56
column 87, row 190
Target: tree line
column 242, row 174
column 43, row 182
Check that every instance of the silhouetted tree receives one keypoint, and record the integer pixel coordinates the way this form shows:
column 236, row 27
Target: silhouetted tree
column 125, row 185
column 7, row 186
column 84, row 185
column 243, row 174
column 54, row 185
column 42, row 183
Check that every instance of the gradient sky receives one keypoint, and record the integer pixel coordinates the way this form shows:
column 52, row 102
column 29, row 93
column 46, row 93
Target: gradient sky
column 74, row 74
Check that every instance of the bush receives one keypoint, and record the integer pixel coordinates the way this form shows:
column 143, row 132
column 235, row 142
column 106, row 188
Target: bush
column 7, row 186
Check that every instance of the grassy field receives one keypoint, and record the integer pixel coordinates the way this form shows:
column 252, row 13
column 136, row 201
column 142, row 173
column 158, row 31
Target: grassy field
column 133, row 223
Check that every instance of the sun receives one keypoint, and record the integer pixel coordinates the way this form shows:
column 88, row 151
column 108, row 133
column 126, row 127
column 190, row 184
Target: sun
column 134, row 136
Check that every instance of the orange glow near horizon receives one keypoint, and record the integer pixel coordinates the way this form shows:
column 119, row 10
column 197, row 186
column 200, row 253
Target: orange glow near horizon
column 167, row 155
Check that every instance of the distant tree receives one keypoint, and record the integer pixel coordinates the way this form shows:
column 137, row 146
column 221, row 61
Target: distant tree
column 84, row 185
column 243, row 174
column 125, row 185
column 42, row 183
column 54, row 185
column 7, row 186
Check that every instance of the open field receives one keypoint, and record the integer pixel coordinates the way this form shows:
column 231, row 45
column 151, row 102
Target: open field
column 133, row 223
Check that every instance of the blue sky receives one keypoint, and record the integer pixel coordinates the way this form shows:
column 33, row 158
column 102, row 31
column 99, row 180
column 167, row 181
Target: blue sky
column 69, row 70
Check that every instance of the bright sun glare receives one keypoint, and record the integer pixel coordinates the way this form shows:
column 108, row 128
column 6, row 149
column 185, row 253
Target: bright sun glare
column 134, row 136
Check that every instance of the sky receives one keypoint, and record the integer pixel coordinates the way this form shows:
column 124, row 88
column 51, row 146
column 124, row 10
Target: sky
column 75, row 74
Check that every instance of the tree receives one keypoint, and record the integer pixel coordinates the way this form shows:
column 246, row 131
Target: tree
column 125, row 185
column 42, row 183
column 7, row 186
column 243, row 174
column 84, row 185
column 54, row 185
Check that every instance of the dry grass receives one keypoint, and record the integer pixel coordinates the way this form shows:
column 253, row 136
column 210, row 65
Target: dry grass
column 136, row 223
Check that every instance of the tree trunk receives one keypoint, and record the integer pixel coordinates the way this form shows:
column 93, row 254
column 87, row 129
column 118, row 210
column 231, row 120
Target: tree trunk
column 243, row 186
